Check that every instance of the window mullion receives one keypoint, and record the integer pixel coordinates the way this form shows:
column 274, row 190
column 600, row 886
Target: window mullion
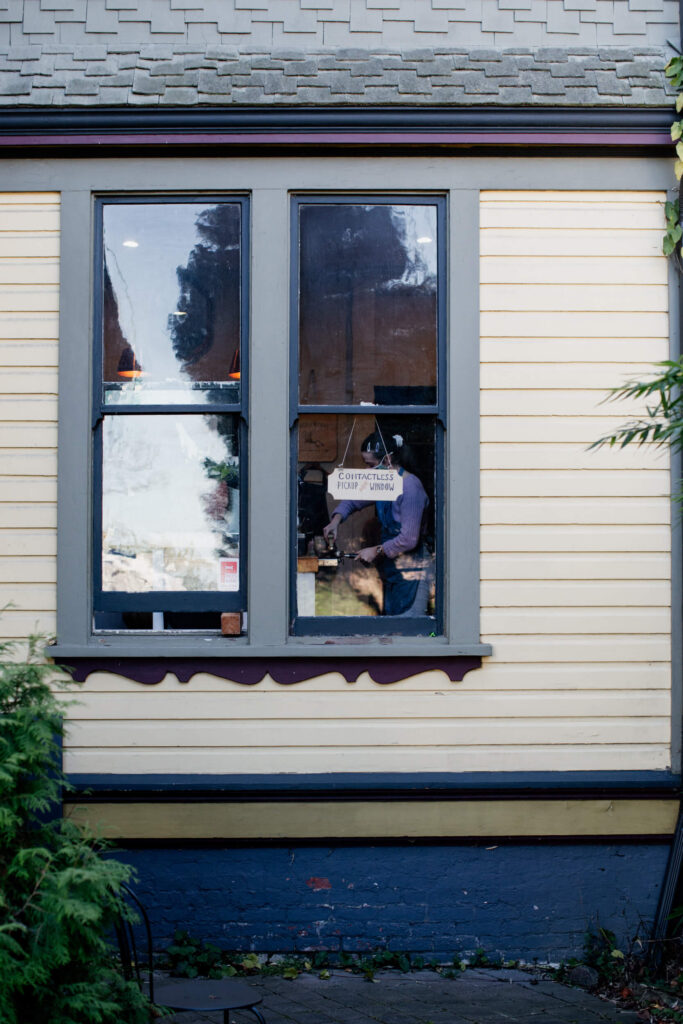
column 73, row 485
column 462, row 455
column 269, row 427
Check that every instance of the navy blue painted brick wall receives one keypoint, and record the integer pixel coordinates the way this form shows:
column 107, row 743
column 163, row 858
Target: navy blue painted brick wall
column 516, row 900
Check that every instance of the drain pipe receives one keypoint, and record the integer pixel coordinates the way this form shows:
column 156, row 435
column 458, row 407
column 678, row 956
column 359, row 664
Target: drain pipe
column 672, row 878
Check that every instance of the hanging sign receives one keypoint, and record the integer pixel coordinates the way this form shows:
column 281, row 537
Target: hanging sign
column 365, row 484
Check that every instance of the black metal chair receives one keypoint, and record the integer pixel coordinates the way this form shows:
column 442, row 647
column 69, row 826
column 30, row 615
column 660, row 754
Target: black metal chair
column 198, row 994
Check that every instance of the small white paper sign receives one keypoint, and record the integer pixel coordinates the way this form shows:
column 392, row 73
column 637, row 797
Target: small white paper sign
column 365, row 484
column 229, row 574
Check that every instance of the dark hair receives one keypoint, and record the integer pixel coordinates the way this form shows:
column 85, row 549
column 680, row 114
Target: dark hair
column 381, row 444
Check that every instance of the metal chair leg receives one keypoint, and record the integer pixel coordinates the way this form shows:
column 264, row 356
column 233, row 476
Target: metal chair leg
column 257, row 1013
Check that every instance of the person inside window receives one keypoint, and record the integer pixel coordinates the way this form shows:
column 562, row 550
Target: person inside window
column 401, row 557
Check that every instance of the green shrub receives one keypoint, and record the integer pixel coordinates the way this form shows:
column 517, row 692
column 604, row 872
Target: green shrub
column 188, row 957
column 58, row 895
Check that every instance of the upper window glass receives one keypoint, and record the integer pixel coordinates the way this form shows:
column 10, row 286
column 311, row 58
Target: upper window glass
column 171, row 303
column 368, row 319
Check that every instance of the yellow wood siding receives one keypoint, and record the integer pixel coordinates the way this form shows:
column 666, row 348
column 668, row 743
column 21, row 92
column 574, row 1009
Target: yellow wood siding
column 575, row 544
column 29, row 307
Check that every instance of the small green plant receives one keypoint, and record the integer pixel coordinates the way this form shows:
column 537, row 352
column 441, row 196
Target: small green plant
column 188, row 957
column 59, row 897
column 601, row 953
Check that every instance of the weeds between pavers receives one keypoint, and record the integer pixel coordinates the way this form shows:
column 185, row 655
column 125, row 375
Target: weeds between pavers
column 189, row 957
column 652, row 986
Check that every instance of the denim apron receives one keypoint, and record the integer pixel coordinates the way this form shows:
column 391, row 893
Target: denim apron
column 399, row 593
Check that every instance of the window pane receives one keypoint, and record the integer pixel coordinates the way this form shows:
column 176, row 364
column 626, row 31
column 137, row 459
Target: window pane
column 367, row 304
column 170, row 503
column 331, row 578
column 171, row 302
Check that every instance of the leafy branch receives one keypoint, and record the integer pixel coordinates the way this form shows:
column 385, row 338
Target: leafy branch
column 674, row 232
column 663, row 420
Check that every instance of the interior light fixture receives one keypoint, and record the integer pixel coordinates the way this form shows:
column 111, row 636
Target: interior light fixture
column 128, row 366
column 130, row 243
column 424, row 240
column 234, row 373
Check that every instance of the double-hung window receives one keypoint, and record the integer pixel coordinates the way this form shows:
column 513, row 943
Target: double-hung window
column 276, row 359
column 368, row 405
column 169, row 413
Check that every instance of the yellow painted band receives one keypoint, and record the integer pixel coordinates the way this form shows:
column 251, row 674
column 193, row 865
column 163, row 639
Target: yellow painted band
column 357, row 819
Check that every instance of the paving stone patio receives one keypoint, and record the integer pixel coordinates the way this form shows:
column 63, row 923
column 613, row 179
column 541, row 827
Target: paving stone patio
column 423, row 997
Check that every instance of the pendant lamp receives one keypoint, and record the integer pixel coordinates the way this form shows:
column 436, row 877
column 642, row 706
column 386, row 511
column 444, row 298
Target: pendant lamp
column 128, row 366
column 234, row 373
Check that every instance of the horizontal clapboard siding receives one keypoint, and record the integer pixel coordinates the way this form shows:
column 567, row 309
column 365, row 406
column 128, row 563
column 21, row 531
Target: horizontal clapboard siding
column 575, row 543
column 29, row 305
column 576, row 567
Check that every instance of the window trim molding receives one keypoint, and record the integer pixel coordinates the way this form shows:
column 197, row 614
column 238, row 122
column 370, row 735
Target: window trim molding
column 460, row 637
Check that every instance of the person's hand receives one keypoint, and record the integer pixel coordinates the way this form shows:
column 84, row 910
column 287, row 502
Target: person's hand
column 331, row 529
column 369, row 554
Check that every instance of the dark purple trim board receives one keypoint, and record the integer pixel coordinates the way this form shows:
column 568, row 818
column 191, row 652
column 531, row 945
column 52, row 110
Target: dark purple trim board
column 283, row 670
column 646, row 139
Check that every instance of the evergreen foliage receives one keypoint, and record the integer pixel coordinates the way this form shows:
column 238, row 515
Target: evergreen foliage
column 58, row 895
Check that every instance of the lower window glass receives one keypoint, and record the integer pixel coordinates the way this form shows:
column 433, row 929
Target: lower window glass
column 366, row 525
column 170, row 518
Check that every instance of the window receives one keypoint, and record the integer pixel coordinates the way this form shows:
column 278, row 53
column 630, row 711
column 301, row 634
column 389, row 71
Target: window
column 169, row 433
column 251, row 326
column 369, row 412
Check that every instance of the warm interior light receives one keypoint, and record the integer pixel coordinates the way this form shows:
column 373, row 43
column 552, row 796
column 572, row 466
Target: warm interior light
column 130, row 243
column 128, row 366
column 234, row 373
column 178, row 312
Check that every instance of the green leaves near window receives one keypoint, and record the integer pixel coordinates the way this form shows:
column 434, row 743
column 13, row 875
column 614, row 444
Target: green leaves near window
column 674, row 232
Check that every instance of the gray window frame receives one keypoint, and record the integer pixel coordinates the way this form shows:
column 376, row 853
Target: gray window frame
column 270, row 182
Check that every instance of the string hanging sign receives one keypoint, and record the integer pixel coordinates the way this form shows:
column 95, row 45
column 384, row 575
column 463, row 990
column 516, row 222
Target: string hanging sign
column 371, row 483
column 378, row 484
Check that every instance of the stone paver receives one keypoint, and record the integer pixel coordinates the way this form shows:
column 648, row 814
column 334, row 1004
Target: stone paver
column 423, row 997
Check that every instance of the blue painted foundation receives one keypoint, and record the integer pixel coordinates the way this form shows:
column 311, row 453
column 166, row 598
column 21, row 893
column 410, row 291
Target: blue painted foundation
column 519, row 901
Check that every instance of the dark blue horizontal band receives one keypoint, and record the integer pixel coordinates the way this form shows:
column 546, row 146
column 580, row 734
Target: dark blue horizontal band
column 380, row 785
column 322, row 119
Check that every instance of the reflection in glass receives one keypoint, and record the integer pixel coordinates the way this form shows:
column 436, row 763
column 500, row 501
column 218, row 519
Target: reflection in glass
column 331, row 580
column 171, row 303
column 367, row 304
column 170, row 503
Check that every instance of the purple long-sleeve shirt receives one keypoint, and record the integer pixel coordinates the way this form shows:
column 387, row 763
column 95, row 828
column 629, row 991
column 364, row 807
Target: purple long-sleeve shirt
column 407, row 510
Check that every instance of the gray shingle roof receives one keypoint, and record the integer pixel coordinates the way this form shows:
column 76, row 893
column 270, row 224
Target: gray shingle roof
column 120, row 74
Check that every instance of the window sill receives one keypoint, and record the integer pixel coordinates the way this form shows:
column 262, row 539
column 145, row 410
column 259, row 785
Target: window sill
column 150, row 660
column 175, row 646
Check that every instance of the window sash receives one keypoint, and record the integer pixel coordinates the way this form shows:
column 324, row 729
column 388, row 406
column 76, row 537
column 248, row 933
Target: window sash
column 171, row 601
column 330, row 626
